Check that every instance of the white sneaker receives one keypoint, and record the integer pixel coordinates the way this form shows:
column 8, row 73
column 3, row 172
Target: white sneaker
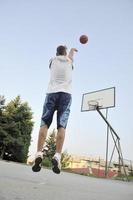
column 56, row 165
column 38, row 160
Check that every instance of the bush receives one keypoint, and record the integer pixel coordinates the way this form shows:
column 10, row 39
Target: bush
column 46, row 163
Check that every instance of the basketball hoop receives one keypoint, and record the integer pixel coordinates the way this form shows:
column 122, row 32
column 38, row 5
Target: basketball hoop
column 93, row 105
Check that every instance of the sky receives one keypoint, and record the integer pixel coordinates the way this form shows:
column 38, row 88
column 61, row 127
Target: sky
column 31, row 30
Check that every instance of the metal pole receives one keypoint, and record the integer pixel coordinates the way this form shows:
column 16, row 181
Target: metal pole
column 111, row 128
column 118, row 147
column 122, row 162
column 107, row 144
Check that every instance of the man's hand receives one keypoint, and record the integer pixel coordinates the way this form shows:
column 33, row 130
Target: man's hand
column 73, row 49
column 71, row 53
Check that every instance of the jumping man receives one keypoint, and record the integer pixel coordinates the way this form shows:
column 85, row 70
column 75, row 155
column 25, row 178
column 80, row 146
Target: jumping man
column 58, row 98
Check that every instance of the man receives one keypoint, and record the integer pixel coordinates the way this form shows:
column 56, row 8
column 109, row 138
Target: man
column 58, row 98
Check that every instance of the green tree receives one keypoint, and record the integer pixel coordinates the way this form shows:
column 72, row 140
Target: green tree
column 16, row 131
column 65, row 158
column 50, row 145
column 2, row 101
column 3, row 133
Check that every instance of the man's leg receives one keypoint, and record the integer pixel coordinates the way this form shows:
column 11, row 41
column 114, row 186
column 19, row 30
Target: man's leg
column 39, row 155
column 42, row 137
column 62, row 118
column 46, row 120
column 60, row 139
column 59, row 144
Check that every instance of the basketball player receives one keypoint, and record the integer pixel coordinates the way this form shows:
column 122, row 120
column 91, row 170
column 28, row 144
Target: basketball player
column 58, row 98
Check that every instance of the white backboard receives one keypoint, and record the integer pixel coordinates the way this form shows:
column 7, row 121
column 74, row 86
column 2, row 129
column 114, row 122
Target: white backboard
column 102, row 99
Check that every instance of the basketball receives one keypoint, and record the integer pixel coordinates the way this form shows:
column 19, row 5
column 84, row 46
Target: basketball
column 83, row 39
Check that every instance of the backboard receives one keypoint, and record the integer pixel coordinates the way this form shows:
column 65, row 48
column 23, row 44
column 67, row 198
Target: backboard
column 102, row 99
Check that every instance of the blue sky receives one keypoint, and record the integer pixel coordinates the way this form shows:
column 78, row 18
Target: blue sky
column 31, row 30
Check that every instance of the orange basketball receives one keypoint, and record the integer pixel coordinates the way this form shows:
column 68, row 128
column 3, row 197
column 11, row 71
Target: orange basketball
column 83, row 39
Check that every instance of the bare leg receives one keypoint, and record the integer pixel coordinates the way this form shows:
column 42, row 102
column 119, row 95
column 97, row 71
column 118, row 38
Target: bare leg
column 59, row 144
column 42, row 137
column 39, row 155
column 60, row 140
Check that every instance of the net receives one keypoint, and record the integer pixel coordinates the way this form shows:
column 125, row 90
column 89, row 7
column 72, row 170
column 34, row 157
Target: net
column 93, row 105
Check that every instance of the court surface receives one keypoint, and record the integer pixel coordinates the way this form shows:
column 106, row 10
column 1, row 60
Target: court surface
column 18, row 182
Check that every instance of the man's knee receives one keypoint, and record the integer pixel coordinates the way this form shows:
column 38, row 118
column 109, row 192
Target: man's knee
column 43, row 130
column 61, row 129
column 61, row 132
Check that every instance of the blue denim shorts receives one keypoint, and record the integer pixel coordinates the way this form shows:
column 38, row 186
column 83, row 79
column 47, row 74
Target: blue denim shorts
column 59, row 102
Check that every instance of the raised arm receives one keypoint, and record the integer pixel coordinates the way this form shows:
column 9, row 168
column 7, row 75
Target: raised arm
column 71, row 53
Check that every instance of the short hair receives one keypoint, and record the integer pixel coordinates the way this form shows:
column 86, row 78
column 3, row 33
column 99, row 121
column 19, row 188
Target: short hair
column 61, row 50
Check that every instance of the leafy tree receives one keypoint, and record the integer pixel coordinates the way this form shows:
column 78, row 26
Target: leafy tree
column 15, row 130
column 65, row 158
column 3, row 133
column 50, row 146
column 2, row 101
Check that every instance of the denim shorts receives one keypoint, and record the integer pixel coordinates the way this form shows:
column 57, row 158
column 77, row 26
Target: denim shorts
column 59, row 102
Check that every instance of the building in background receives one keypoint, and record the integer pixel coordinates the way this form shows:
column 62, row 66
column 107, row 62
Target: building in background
column 95, row 166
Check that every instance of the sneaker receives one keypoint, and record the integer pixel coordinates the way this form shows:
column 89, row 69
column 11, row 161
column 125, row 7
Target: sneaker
column 56, row 166
column 37, row 164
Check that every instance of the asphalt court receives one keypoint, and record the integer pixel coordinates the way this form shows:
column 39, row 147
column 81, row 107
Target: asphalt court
column 18, row 182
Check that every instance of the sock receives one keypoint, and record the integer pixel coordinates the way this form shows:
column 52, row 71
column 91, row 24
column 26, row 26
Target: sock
column 58, row 156
column 39, row 153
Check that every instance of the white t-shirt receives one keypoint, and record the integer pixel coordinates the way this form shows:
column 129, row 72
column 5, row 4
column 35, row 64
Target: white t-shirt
column 60, row 75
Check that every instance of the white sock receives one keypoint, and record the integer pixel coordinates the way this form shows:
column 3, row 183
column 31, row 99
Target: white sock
column 39, row 153
column 58, row 156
